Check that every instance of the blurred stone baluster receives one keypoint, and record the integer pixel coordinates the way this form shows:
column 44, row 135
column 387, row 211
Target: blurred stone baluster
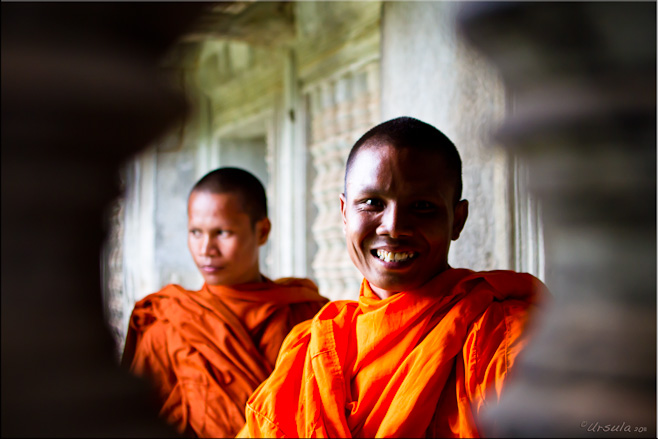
column 582, row 78
column 80, row 94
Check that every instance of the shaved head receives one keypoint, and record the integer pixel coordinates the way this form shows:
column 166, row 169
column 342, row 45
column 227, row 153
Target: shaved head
column 407, row 132
column 237, row 181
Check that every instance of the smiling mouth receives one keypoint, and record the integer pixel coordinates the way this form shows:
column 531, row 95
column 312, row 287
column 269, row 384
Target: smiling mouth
column 387, row 256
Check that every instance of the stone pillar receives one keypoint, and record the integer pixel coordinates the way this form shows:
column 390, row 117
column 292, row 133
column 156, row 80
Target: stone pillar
column 583, row 78
column 80, row 94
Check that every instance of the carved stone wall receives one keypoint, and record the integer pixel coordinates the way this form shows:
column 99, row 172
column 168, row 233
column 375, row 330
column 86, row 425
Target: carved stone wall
column 341, row 109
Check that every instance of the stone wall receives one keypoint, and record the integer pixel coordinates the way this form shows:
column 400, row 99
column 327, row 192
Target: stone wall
column 341, row 109
column 429, row 73
column 339, row 70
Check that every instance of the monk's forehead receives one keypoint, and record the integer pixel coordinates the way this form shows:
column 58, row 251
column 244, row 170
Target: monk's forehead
column 377, row 158
column 234, row 193
column 233, row 197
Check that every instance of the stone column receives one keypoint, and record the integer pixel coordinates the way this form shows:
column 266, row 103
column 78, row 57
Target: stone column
column 80, row 94
column 583, row 78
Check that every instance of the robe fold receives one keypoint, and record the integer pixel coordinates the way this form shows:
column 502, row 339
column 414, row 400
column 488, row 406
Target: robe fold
column 421, row 363
column 206, row 351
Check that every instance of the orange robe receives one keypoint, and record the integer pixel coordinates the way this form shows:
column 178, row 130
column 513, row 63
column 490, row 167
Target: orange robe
column 206, row 351
column 421, row 363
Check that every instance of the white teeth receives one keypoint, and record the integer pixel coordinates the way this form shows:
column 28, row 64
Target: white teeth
column 395, row 257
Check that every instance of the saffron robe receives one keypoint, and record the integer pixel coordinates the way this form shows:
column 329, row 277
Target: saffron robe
column 421, row 363
column 206, row 351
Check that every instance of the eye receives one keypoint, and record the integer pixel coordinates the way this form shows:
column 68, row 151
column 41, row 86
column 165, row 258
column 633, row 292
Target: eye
column 195, row 232
column 371, row 203
column 223, row 233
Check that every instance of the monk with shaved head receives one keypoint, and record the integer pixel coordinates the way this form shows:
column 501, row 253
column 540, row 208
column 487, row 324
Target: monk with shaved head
column 206, row 351
column 426, row 346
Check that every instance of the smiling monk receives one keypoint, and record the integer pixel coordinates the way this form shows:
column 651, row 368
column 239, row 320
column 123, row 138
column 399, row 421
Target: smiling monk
column 206, row 351
column 426, row 347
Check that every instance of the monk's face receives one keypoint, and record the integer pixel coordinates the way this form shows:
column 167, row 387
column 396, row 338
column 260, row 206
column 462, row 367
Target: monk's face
column 399, row 217
column 222, row 240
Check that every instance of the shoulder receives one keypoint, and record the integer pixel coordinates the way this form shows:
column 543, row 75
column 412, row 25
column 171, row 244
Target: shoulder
column 153, row 307
column 297, row 282
column 305, row 288
column 148, row 324
column 497, row 338
column 505, row 277
column 502, row 331
column 507, row 285
column 171, row 291
column 503, row 322
column 514, row 299
column 168, row 292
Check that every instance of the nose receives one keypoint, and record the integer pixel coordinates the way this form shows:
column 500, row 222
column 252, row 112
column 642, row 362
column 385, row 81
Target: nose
column 208, row 247
column 394, row 222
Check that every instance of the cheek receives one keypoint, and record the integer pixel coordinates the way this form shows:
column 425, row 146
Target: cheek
column 238, row 247
column 192, row 247
column 358, row 227
column 359, row 234
column 229, row 247
column 439, row 239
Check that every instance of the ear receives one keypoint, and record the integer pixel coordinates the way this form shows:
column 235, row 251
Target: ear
column 263, row 228
column 459, row 219
column 343, row 206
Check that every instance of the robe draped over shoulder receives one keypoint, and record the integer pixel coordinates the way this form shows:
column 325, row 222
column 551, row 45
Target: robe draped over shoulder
column 206, row 351
column 421, row 363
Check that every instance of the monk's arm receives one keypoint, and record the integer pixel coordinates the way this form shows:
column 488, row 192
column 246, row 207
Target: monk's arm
column 493, row 346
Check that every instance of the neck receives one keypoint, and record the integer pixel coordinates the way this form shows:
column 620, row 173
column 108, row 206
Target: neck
column 385, row 294
column 382, row 293
column 257, row 278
